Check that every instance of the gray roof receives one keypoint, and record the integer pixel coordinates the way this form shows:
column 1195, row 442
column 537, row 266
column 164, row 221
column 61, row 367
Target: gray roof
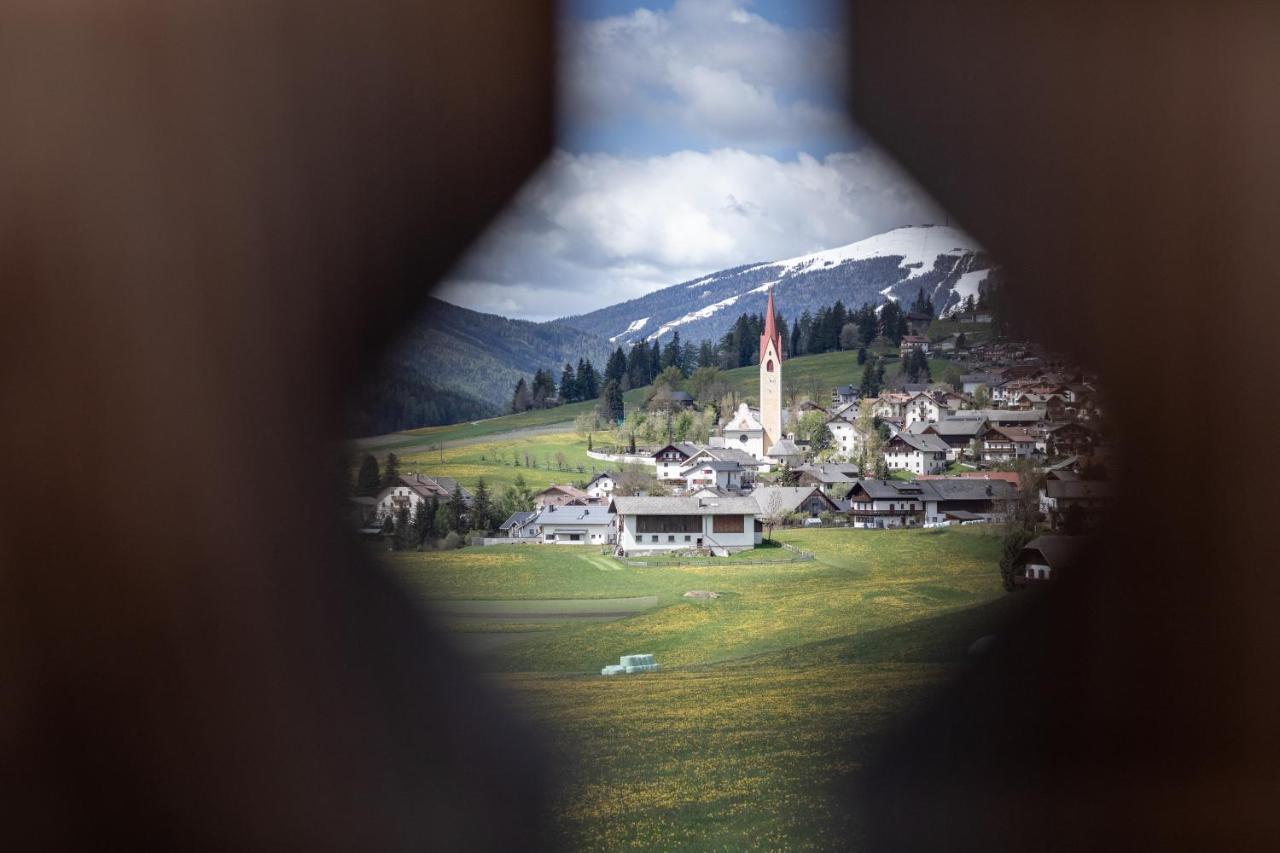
column 984, row 378
column 440, row 487
column 847, row 390
column 968, row 489
column 1012, row 415
column 951, row 426
column 716, row 465
column 516, row 518
column 685, row 447
column 783, row 447
column 1078, row 488
column 1058, row 551
column 601, row 476
column 683, row 506
column 892, row 489
column 831, row 472
column 923, row 442
column 575, row 515
column 788, row 497
column 730, row 454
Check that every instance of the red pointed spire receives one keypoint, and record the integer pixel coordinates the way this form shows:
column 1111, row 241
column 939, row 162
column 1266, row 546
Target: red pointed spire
column 770, row 330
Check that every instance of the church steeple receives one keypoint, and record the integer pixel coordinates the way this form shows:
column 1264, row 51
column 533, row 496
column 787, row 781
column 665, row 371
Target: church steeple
column 770, row 379
column 770, row 331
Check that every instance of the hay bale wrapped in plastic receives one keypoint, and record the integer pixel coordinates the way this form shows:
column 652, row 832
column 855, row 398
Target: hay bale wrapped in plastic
column 613, row 669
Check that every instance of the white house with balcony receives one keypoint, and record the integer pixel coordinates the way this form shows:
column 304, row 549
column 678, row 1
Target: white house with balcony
column 919, row 454
column 669, row 460
column 885, row 503
column 922, row 407
column 721, row 525
column 576, row 525
column 714, row 474
column 602, row 485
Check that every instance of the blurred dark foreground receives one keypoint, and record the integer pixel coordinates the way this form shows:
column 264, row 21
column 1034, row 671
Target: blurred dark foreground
column 201, row 199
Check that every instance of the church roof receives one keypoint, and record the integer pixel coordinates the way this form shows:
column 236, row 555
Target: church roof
column 770, row 330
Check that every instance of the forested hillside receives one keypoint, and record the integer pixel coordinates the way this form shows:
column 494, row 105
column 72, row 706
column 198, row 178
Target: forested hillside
column 457, row 364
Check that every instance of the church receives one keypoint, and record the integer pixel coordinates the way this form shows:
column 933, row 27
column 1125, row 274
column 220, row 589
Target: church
column 760, row 433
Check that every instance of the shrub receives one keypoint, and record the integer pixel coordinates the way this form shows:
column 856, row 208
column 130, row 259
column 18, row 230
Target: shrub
column 451, row 541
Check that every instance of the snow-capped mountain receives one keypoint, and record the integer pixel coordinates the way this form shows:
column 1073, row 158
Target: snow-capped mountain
column 943, row 261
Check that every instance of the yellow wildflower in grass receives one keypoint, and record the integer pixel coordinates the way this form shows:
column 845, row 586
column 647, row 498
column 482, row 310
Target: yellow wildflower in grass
column 770, row 696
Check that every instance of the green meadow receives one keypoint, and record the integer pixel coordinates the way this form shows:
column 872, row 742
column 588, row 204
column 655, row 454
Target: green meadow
column 488, row 449
column 771, row 695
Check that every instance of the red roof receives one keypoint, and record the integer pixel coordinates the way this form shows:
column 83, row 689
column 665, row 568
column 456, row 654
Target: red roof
column 770, row 330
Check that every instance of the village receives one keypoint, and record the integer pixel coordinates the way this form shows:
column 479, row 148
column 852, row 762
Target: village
column 1019, row 439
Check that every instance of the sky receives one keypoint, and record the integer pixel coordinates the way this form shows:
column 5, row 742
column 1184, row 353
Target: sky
column 694, row 135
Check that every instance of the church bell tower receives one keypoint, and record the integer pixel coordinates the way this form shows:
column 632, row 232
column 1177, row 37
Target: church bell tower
column 771, row 378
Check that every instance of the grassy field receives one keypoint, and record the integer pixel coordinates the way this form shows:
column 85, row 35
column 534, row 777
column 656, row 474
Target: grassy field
column 493, row 460
column 770, row 697
column 485, row 449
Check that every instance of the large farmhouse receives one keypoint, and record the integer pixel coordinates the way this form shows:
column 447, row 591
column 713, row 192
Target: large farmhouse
column 720, row 525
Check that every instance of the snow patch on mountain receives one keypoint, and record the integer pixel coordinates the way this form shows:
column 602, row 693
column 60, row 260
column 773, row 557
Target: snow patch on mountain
column 700, row 314
column 704, row 280
column 917, row 246
column 967, row 285
column 635, row 326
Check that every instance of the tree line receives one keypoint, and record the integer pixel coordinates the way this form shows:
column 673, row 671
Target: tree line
column 542, row 392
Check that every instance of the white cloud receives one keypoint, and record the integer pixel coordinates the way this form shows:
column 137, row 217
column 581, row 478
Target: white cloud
column 594, row 229
column 711, row 70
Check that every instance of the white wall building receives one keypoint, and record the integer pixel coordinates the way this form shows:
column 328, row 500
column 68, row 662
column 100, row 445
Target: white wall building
column 710, row 473
column 919, row 454
column 576, row 525
column 721, row 524
column 922, row 407
column 745, row 432
column 669, row 460
column 603, row 485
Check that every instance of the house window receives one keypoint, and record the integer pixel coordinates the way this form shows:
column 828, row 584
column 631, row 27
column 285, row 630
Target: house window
column 575, row 537
column 742, row 438
column 653, row 538
column 727, row 524
column 671, row 537
column 768, row 365
column 687, row 537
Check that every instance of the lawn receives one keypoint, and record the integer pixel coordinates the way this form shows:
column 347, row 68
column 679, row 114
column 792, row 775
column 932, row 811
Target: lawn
column 539, row 455
column 769, row 696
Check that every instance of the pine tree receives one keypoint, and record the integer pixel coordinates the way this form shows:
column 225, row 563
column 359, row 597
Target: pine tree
column 441, row 523
column 457, row 509
column 706, row 355
column 391, row 471
column 481, row 507
column 420, row 527
column 568, row 384
column 616, row 367
column 638, row 365
column 862, row 355
column 872, row 377
column 521, row 399
column 403, row 539
column 369, row 480
column 612, row 397
column 587, row 382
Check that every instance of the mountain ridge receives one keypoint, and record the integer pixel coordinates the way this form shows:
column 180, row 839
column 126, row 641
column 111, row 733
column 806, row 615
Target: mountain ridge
column 463, row 364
